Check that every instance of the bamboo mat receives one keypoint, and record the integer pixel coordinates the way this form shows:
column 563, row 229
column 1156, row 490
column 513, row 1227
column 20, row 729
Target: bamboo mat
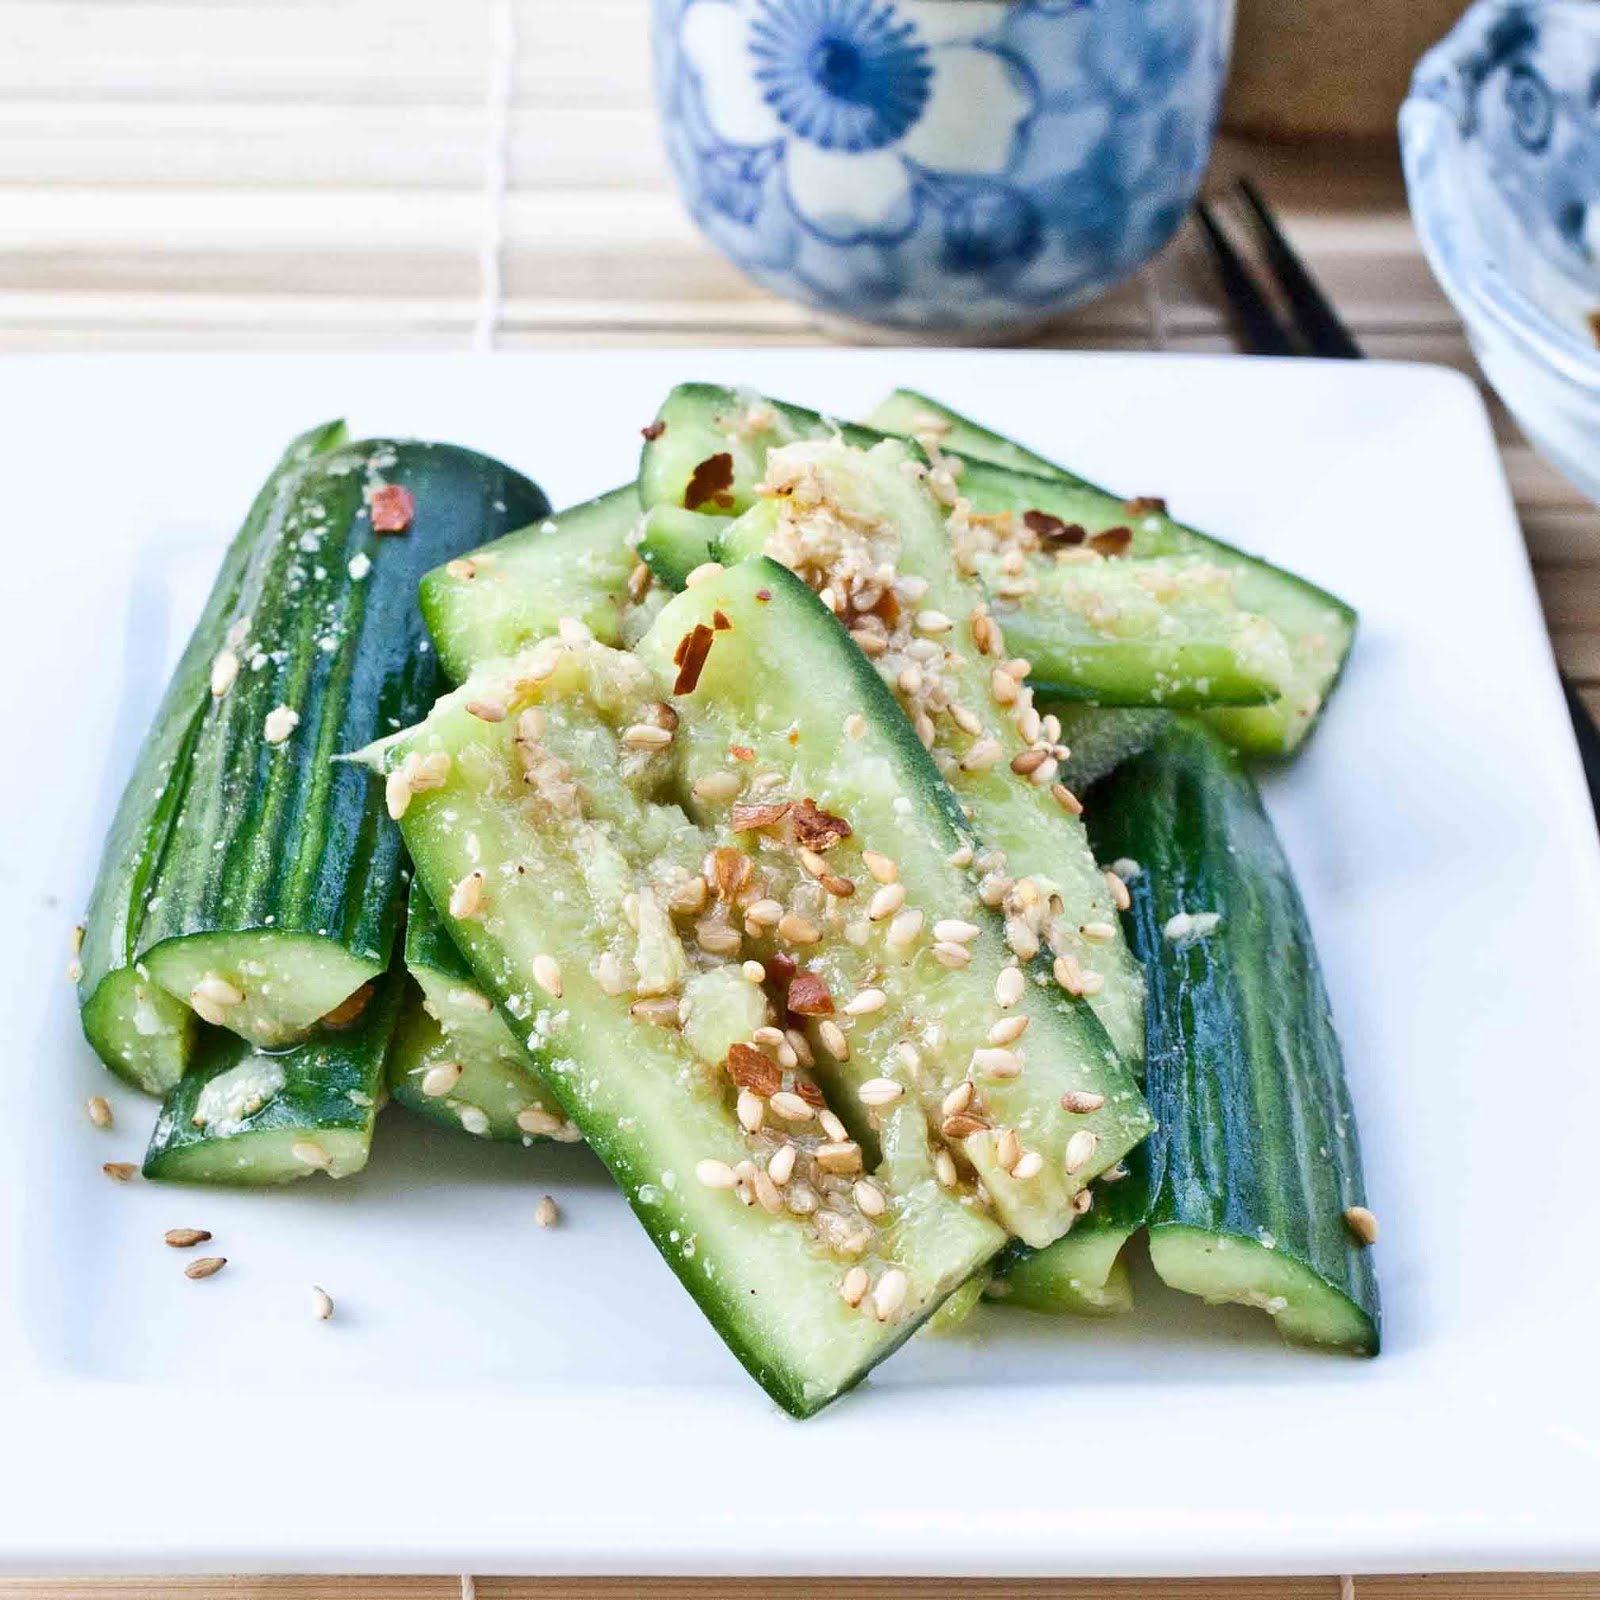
column 358, row 174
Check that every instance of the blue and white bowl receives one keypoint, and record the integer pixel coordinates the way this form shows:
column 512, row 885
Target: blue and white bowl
column 1501, row 139
column 955, row 167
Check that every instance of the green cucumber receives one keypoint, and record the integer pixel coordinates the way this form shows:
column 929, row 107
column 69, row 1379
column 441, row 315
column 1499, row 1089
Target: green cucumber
column 862, row 526
column 1257, row 1161
column 939, row 430
column 242, row 1115
column 1100, row 739
column 456, row 1062
column 497, row 600
column 1318, row 626
column 639, row 1015
column 136, row 1028
column 673, row 542
column 279, row 893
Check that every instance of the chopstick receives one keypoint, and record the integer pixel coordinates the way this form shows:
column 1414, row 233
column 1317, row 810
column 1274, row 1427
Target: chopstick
column 1314, row 328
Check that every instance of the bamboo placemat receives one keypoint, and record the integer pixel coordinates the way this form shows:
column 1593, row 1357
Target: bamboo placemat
column 234, row 174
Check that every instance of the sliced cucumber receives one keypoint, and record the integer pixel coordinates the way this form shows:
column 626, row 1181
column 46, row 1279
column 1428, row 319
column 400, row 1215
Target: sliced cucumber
column 594, row 926
column 862, row 526
column 458, row 1063
column 1258, row 1159
column 279, row 891
column 1099, row 739
column 1318, row 626
column 674, row 542
column 939, row 430
column 242, row 1115
column 135, row 1026
column 499, row 599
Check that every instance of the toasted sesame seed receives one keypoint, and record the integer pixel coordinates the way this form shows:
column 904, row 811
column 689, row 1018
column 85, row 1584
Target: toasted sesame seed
column 764, row 913
column 547, row 1213
column 1029, row 1165
column 801, row 1198
column 715, row 1174
column 952, row 955
column 1044, row 774
column 954, row 931
column 547, row 974
column 838, row 1155
column 934, row 622
column 812, row 862
column 1008, row 1149
column 321, row 1303
column 961, row 856
column 461, row 568
column 1066, row 799
column 889, row 1294
column 1080, row 1147
column 718, row 786
column 214, row 989
column 788, row 1105
column 878, row 1092
column 1009, row 987
column 768, row 1195
column 781, row 1167
column 1071, row 976
column 832, row 1126
column 1026, row 762
column 224, row 672
column 1002, row 686
column 882, row 869
column 833, row 1039
column 279, row 723
column 1008, row 1029
column 1120, row 897
column 1024, row 942
column 797, row 929
column 1362, row 1223
column 903, row 930
column 639, row 582
column 660, row 1011
column 1028, row 721
column 646, row 736
column 440, row 1079
column 869, row 1198
column 944, row 1169
column 466, row 899
column 535, row 1120
column 311, row 1154
column 1080, row 1102
column 958, row 1099
column 983, row 754
column 1019, row 667
column 865, row 1003
column 99, row 1110
column 1114, row 1174
column 997, row 1063
column 886, row 901
column 186, row 1238
column 751, row 1109
column 120, row 1171
column 1083, row 1201
column 753, row 972
column 854, row 1286
column 968, row 722
column 704, row 573
column 205, row 1267
column 1098, row 932
column 397, row 790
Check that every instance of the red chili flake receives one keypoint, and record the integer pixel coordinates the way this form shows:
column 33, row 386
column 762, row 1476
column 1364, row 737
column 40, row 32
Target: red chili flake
column 817, row 829
column 810, row 1093
column 654, row 430
column 747, row 815
column 690, row 658
column 1113, row 542
column 741, row 752
column 1145, row 505
column 809, row 997
column 720, row 622
column 711, row 480
column 753, row 1069
column 392, row 506
column 763, row 595
column 1053, row 528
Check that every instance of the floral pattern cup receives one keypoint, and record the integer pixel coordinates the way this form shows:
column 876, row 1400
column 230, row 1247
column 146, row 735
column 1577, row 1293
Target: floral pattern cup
column 966, row 167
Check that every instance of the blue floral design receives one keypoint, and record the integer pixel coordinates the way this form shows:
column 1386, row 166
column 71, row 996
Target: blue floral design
column 845, row 74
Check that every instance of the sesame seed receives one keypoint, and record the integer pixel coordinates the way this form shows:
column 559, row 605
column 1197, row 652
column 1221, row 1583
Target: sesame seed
column 185, row 1238
column 1080, row 1102
column 1068, row 801
column 718, row 786
column 854, row 1286
column 1026, row 762
column 321, row 1303
column 1362, row 1224
column 855, row 725
column 882, row 869
column 1008, row 1029
column 961, row 856
column 952, row 955
column 886, row 901
column 1044, row 774
column 279, row 723
column 967, row 721
column 764, row 913
column 753, row 972
column 903, row 930
column 889, row 1294
column 797, row 929
column 715, row 1174
column 751, row 1109
column 120, row 1171
column 646, row 736
column 1080, row 1147
column 801, row 1199
column 838, row 1155
column 877, row 1092
column 865, row 1003
column 704, row 573
column 909, row 680
column 397, row 791
column 311, row 1154
column 768, row 1195
column 1073, row 978
column 958, row 1099
column 832, row 1126
column 1003, row 687
column 1008, row 1149
column 933, row 622
column 639, row 582
column 535, row 1120
column 996, row 1063
column 944, row 1169
column 955, row 931
column 983, row 755
column 781, row 1167
column 215, row 988
column 205, row 1267
column 1120, row 897
column 791, row 1107
column 466, row 899
column 1098, row 932
column 833, row 1039
column 547, row 974
column 1083, row 1201
column 869, row 1198
column 474, row 1120
column 487, row 710
column 547, row 1213
column 1024, row 942
column 440, row 1079
column 224, row 672
column 1009, row 987
column 1030, row 1165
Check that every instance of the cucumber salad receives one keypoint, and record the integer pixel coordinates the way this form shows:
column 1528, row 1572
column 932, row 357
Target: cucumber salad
column 843, row 829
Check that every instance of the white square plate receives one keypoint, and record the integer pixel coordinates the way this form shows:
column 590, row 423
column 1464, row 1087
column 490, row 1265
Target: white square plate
column 492, row 1397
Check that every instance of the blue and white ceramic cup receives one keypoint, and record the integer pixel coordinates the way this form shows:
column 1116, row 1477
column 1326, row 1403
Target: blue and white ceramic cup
column 957, row 167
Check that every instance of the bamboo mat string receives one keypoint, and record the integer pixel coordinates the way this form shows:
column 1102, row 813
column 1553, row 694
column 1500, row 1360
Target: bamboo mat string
column 497, row 118
column 1347, row 1588
column 469, row 1587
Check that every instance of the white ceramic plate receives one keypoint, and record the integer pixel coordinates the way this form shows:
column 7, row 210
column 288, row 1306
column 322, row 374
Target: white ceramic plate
column 495, row 1398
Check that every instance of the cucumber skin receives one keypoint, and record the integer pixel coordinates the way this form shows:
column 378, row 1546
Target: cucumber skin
column 310, row 848
column 320, row 1076
column 1243, row 1068
column 109, row 985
